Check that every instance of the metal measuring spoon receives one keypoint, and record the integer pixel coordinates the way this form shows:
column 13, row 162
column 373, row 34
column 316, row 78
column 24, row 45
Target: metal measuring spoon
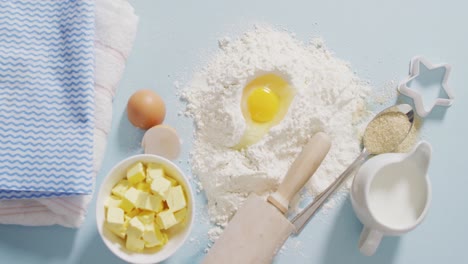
column 301, row 219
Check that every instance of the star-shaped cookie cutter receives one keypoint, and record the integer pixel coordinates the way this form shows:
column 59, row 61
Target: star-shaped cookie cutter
column 414, row 72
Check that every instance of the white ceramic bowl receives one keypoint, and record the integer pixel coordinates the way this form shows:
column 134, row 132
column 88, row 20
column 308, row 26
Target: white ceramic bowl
column 177, row 235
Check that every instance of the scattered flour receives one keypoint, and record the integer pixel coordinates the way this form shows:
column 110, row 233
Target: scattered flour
column 385, row 94
column 329, row 97
column 214, row 233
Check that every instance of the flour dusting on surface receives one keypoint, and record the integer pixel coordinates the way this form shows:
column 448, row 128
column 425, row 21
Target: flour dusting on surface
column 329, row 97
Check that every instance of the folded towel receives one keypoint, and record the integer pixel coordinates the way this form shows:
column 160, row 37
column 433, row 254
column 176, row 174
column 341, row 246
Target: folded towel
column 115, row 25
column 47, row 98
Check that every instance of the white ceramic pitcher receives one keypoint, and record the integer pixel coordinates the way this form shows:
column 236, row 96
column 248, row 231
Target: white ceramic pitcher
column 391, row 194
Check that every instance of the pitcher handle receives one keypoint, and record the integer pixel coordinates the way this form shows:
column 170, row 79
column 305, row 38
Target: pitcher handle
column 369, row 241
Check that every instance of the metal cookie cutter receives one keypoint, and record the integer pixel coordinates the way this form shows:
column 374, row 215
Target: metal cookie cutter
column 414, row 72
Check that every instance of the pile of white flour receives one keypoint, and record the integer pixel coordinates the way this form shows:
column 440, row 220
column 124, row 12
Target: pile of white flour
column 329, row 97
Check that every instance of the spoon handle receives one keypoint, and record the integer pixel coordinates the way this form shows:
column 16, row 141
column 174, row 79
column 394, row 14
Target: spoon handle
column 301, row 219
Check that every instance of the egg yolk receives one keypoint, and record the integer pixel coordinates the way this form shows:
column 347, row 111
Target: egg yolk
column 263, row 104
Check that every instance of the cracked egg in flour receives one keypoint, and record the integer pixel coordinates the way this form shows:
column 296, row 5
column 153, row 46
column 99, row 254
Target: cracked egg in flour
column 265, row 101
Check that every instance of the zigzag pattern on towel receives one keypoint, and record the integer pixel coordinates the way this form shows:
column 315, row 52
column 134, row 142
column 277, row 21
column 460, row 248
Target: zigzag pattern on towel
column 68, row 153
column 64, row 26
column 52, row 101
column 50, row 59
column 55, row 67
column 46, row 108
column 7, row 75
column 66, row 32
column 48, row 176
column 39, row 189
column 51, row 11
column 46, row 120
column 18, row 152
column 41, row 73
column 33, row 40
column 39, row 185
column 38, row 93
column 48, row 90
column 13, row 194
column 45, row 50
column 46, row 98
column 10, row 50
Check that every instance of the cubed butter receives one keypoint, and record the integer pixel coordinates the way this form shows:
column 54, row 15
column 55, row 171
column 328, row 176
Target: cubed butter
column 180, row 215
column 172, row 180
column 141, row 203
column 136, row 173
column 135, row 227
column 115, row 221
column 112, row 201
column 154, row 203
column 126, row 205
column 120, row 188
column 120, row 232
column 146, row 217
column 166, row 219
column 160, row 186
column 151, row 166
column 134, row 212
column 136, row 197
column 153, row 173
column 135, row 243
column 175, row 198
column 127, row 222
column 115, row 216
column 153, row 236
column 145, row 204
column 143, row 186
column 156, row 171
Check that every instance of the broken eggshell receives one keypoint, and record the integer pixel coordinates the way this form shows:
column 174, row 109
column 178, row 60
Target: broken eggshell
column 162, row 140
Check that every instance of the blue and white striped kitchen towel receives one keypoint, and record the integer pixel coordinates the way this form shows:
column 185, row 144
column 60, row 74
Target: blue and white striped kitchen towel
column 46, row 98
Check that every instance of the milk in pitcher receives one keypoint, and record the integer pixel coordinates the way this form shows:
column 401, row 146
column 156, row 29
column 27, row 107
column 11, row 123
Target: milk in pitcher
column 397, row 195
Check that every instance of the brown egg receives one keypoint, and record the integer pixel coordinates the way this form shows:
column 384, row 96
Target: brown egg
column 146, row 109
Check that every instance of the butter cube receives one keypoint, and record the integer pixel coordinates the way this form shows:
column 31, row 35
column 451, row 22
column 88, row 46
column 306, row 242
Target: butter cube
column 141, row 203
column 115, row 221
column 126, row 205
column 146, row 217
column 115, row 216
column 175, row 198
column 135, row 243
column 120, row 232
column 120, row 188
column 154, row 203
column 153, row 173
column 136, row 173
column 156, row 171
column 151, row 166
column 136, row 197
column 173, row 181
column 112, row 201
column 153, row 236
column 160, row 186
column 135, row 227
column 143, row 186
column 180, row 215
column 133, row 213
column 166, row 219
column 127, row 222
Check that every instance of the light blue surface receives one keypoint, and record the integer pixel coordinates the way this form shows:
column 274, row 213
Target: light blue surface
column 377, row 37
